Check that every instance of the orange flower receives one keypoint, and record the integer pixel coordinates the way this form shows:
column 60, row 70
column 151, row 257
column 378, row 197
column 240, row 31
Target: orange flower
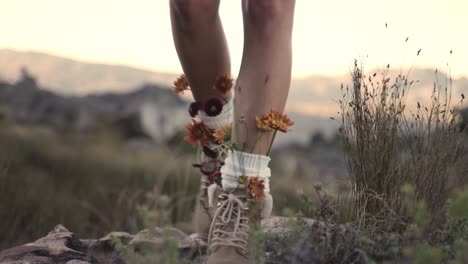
column 274, row 120
column 181, row 84
column 256, row 189
column 223, row 84
column 222, row 134
column 198, row 132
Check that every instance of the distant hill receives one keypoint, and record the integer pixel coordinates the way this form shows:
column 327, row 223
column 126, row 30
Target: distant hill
column 70, row 77
column 311, row 95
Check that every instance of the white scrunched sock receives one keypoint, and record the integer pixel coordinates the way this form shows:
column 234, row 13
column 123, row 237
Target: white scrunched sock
column 224, row 118
column 240, row 163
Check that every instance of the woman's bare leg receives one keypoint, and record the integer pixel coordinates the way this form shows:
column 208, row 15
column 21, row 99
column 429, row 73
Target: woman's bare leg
column 203, row 52
column 200, row 43
column 262, row 84
column 265, row 73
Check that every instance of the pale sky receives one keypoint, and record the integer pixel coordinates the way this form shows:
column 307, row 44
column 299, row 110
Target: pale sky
column 328, row 34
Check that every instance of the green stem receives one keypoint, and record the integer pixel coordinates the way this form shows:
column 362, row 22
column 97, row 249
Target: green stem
column 198, row 154
column 271, row 144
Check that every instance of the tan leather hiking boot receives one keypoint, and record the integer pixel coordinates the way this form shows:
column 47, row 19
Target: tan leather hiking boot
column 231, row 233
column 205, row 209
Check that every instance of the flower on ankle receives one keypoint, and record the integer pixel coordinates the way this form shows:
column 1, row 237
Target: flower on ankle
column 198, row 132
column 222, row 134
column 223, row 84
column 213, row 107
column 181, row 84
column 274, row 120
column 256, row 189
column 208, row 167
column 193, row 109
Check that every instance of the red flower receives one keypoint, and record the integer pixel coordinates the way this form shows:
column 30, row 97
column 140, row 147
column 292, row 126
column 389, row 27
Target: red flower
column 256, row 188
column 208, row 167
column 198, row 132
column 223, row 84
column 213, row 107
column 193, row 109
column 215, row 177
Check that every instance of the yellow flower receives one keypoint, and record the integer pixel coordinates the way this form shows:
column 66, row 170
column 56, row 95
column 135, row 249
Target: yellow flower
column 242, row 179
column 274, row 120
column 181, row 84
column 222, row 134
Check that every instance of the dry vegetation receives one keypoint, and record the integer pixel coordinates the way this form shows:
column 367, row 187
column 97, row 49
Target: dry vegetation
column 403, row 165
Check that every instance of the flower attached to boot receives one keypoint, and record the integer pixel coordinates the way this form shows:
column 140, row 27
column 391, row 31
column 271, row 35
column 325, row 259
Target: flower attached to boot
column 211, row 169
column 223, row 84
column 213, row 107
column 215, row 178
column 207, row 167
column 222, row 134
column 193, row 109
column 181, row 84
column 256, row 188
column 198, row 132
column 274, row 120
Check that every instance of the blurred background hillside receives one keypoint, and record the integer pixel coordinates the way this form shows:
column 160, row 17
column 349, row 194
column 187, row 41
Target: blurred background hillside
column 91, row 135
column 116, row 160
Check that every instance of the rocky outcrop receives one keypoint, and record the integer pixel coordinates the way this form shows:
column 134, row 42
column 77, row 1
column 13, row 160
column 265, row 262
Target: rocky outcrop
column 286, row 240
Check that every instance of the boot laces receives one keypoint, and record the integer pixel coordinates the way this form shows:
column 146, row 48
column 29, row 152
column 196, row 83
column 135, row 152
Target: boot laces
column 230, row 226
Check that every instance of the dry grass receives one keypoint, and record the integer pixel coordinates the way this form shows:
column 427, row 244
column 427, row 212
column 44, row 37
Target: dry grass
column 91, row 184
column 388, row 146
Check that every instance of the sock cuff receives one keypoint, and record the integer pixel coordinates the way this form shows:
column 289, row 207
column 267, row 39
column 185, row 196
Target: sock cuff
column 224, row 118
column 240, row 163
column 247, row 164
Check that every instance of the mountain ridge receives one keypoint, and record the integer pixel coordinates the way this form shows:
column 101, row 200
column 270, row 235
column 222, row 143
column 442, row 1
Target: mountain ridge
column 311, row 95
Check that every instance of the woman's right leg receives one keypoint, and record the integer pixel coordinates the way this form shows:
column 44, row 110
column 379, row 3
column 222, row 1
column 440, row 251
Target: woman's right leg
column 202, row 49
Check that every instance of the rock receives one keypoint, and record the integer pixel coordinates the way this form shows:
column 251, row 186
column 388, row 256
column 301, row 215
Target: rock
column 287, row 240
column 59, row 246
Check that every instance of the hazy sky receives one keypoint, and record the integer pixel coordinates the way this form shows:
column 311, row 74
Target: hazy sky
column 328, row 35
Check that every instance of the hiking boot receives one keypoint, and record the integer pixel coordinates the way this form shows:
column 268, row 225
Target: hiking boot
column 231, row 232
